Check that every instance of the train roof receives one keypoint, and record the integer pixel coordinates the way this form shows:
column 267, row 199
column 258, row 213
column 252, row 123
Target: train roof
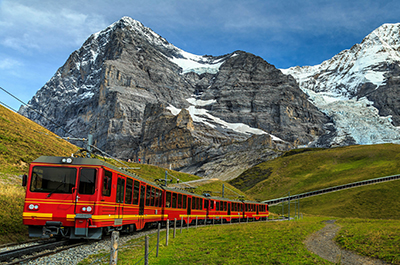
column 88, row 161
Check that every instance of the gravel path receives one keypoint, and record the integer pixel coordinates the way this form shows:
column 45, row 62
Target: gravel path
column 75, row 255
column 322, row 244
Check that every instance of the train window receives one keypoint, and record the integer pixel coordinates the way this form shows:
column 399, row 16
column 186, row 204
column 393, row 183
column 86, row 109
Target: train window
column 206, row 204
column 156, row 198
column 200, row 204
column 179, row 200
column 128, row 194
column 120, row 190
column 174, row 195
column 153, row 196
column 217, row 208
column 160, row 198
column 194, row 203
column 211, row 204
column 136, row 186
column 184, row 200
column 107, row 180
column 148, row 195
column 87, row 180
column 168, row 200
column 225, row 206
column 53, row 179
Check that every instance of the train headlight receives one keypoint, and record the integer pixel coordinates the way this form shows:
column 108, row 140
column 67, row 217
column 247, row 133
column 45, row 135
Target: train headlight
column 66, row 160
column 33, row 207
column 87, row 209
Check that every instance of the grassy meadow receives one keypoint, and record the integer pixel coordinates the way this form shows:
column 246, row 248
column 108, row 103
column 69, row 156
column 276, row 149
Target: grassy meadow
column 252, row 243
column 315, row 169
column 374, row 238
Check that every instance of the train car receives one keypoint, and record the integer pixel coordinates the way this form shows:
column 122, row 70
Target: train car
column 77, row 198
column 85, row 197
column 255, row 210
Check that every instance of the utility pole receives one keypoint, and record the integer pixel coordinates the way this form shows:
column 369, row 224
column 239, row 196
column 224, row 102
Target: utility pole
column 289, row 208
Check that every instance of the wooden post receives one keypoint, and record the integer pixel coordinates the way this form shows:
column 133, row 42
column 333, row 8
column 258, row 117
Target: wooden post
column 181, row 224
column 187, row 223
column 196, row 222
column 247, row 219
column 146, row 250
column 158, row 239
column 114, row 248
column 174, row 227
column 167, row 235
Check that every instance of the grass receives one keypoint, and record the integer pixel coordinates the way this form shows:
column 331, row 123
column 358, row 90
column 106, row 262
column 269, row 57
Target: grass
column 374, row 238
column 378, row 201
column 321, row 168
column 252, row 243
column 12, row 196
column 22, row 141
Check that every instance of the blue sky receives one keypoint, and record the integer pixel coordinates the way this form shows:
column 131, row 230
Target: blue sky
column 37, row 36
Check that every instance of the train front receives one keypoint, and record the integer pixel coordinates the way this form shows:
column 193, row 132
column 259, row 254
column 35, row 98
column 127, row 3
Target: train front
column 60, row 198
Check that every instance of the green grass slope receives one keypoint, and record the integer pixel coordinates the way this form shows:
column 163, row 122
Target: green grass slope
column 312, row 169
column 320, row 168
column 22, row 141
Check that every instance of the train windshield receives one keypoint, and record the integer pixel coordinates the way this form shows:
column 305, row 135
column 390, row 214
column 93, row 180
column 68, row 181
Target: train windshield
column 53, row 179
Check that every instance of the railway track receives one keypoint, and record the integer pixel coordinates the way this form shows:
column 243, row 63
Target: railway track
column 35, row 251
column 332, row 189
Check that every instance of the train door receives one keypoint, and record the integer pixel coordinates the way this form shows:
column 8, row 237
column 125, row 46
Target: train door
column 84, row 193
column 142, row 199
column 119, row 199
column 85, row 196
column 229, row 208
column 189, row 206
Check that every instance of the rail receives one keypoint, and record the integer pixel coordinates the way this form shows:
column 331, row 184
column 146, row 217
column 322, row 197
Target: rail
column 332, row 189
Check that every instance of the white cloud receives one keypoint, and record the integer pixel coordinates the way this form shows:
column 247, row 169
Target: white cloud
column 9, row 64
column 42, row 27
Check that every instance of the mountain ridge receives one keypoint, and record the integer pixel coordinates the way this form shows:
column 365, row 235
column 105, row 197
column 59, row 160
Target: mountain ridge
column 143, row 98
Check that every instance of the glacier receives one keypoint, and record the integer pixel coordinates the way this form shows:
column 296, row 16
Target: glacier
column 334, row 85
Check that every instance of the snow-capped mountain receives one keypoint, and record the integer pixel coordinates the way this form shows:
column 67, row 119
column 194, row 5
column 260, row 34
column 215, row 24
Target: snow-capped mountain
column 358, row 88
column 142, row 97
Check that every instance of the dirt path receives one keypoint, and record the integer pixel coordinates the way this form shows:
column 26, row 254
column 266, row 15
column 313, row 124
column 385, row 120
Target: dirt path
column 322, row 244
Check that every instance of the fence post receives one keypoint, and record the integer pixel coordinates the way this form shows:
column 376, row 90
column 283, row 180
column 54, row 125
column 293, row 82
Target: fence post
column 146, row 250
column 174, row 227
column 181, row 224
column 247, row 219
column 114, row 248
column 187, row 223
column 158, row 239
column 167, row 235
column 196, row 221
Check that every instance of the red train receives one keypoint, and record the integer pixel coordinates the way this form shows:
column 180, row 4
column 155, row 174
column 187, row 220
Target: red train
column 86, row 198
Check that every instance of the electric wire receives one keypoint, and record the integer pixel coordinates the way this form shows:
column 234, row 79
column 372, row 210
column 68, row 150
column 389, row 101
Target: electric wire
column 29, row 107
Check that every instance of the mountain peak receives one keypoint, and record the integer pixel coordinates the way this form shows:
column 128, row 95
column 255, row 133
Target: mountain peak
column 387, row 34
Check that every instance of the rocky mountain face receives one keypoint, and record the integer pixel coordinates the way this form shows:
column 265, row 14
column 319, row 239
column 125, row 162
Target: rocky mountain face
column 143, row 98
column 358, row 88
